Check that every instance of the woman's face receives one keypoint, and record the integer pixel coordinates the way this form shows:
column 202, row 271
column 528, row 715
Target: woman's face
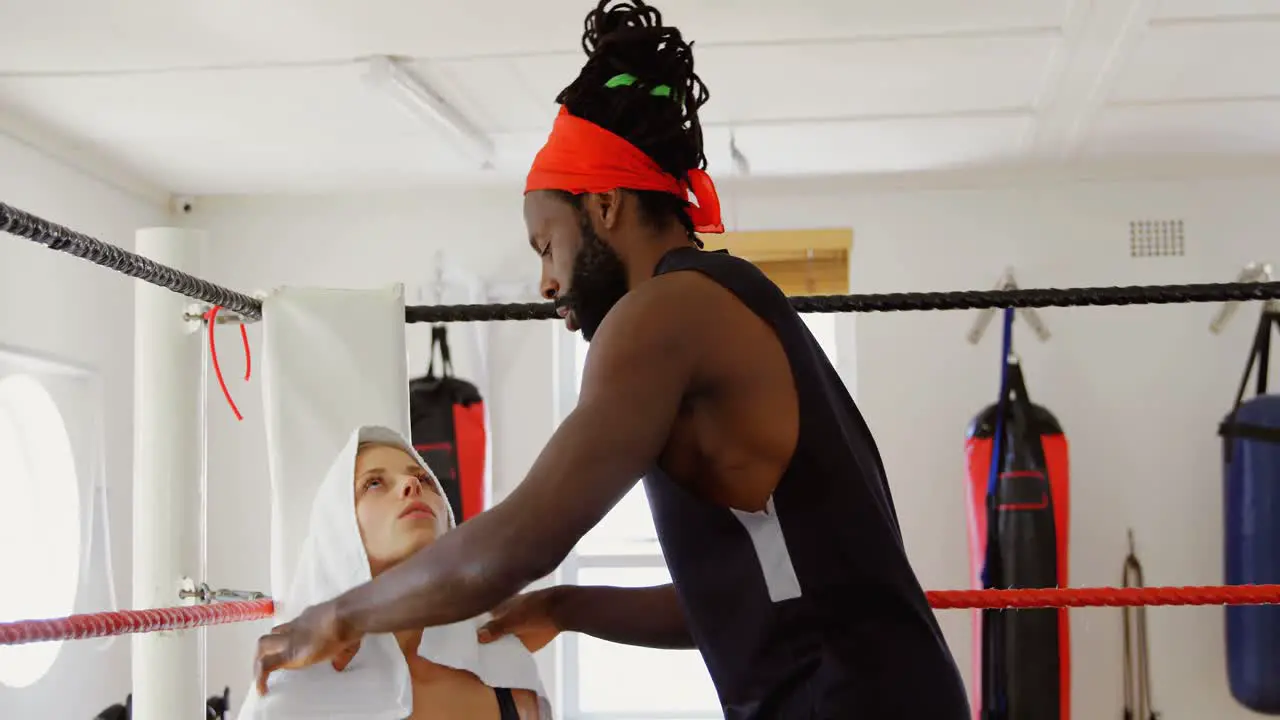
column 397, row 507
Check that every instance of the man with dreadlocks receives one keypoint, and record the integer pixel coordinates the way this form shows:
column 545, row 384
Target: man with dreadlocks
column 767, row 490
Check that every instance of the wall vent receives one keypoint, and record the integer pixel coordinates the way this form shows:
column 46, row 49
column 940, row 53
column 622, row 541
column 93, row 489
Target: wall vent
column 1156, row 238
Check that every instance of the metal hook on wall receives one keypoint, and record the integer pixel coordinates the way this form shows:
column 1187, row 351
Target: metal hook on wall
column 1254, row 272
column 983, row 321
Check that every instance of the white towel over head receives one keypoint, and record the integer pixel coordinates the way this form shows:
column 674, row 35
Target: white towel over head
column 376, row 684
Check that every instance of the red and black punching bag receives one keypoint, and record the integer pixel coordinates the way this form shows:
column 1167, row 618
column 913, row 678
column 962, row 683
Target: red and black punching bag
column 1018, row 519
column 446, row 415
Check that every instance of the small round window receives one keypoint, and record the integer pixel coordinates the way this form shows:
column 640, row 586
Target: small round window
column 39, row 522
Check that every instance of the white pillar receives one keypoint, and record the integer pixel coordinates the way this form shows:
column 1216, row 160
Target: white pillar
column 166, row 479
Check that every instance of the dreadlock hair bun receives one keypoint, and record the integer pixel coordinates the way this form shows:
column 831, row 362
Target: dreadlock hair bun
column 627, row 37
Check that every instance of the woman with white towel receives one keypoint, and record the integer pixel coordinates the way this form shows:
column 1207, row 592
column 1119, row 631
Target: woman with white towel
column 378, row 505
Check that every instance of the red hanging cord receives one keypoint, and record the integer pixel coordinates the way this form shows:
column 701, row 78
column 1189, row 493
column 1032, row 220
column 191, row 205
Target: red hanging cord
column 248, row 360
column 211, row 317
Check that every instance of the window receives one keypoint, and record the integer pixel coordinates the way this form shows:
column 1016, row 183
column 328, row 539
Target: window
column 39, row 522
column 624, row 680
column 801, row 262
column 823, row 327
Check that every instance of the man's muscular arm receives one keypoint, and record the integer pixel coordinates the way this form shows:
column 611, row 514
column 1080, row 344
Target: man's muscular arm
column 646, row 616
column 644, row 359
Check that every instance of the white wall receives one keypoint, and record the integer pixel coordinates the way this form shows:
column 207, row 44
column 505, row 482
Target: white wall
column 59, row 306
column 1136, row 464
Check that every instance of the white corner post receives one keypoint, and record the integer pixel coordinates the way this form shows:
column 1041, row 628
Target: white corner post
column 167, row 681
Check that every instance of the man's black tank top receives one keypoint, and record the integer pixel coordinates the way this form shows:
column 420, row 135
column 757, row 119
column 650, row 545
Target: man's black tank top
column 808, row 609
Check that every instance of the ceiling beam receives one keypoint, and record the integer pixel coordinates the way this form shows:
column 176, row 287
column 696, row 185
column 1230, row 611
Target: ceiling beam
column 81, row 159
column 1100, row 35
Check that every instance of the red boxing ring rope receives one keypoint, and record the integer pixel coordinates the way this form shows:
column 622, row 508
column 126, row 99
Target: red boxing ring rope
column 1106, row 597
column 123, row 622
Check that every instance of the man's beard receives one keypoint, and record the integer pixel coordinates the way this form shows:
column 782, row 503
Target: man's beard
column 598, row 282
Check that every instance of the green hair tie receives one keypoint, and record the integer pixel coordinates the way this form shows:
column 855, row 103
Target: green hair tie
column 627, row 80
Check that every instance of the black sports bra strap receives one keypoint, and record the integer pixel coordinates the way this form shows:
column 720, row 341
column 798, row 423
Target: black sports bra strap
column 507, row 709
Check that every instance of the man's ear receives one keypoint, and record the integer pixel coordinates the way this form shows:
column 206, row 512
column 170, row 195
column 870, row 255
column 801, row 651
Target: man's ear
column 604, row 209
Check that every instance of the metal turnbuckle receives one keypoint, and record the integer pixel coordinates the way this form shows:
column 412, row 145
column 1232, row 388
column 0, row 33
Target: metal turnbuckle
column 206, row 595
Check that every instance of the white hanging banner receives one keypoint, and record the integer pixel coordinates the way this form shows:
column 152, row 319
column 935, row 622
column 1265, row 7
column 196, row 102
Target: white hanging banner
column 333, row 360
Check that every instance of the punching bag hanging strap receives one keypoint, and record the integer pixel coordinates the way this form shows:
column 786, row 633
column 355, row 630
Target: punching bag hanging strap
column 446, row 359
column 431, row 365
column 997, row 444
column 1263, row 348
column 1260, row 354
column 440, row 338
column 1018, row 390
column 993, row 702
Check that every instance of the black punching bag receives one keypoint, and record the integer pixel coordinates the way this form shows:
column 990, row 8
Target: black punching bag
column 447, row 420
column 1018, row 515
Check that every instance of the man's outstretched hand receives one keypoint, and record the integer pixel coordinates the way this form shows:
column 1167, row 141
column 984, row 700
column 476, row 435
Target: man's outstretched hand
column 528, row 617
column 317, row 635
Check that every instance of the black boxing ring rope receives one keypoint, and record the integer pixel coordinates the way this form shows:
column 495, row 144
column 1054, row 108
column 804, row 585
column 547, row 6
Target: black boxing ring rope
column 57, row 237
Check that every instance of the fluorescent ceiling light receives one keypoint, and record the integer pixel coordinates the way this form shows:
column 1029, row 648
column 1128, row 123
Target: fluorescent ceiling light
column 390, row 75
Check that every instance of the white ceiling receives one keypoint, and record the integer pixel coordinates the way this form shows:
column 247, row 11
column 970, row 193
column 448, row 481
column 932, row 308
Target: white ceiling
column 248, row 96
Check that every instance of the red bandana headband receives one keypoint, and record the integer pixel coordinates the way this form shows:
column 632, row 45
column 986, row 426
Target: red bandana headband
column 582, row 157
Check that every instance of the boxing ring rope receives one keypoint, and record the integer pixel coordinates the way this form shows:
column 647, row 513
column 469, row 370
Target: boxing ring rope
column 57, row 237
column 123, row 622
column 126, row 622
column 163, row 662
